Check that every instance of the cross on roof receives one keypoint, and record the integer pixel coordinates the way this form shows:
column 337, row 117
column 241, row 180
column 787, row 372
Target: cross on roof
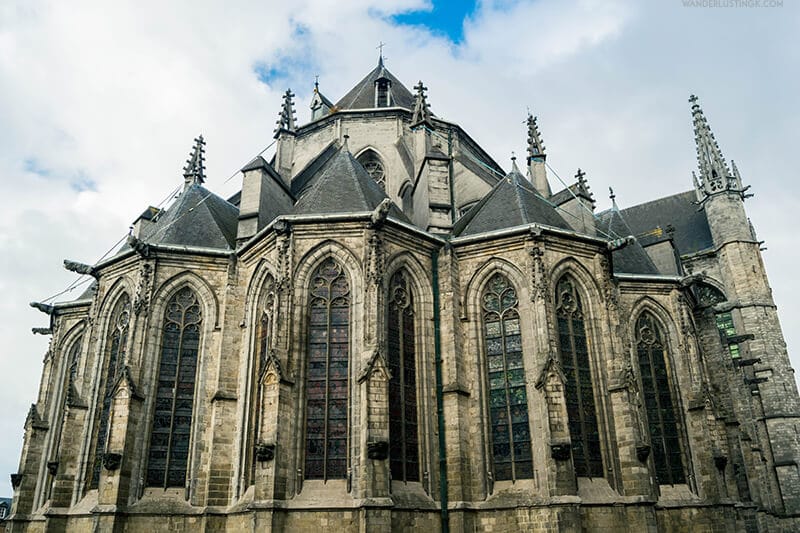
column 580, row 174
column 693, row 98
column 380, row 47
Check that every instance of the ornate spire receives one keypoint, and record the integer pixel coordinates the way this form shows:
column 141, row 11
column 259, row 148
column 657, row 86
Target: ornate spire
column 422, row 111
column 536, row 158
column 535, row 144
column 195, row 170
column 715, row 176
column 613, row 198
column 286, row 117
column 582, row 186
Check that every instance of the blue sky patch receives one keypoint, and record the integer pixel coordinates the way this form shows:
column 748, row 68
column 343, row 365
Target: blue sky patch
column 82, row 183
column 34, row 166
column 446, row 18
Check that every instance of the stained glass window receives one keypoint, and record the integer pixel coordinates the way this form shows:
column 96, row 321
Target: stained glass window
column 266, row 317
column 172, row 418
column 574, row 352
column 403, row 448
column 374, row 167
column 508, row 400
column 727, row 329
column 326, row 378
column 661, row 420
column 116, row 345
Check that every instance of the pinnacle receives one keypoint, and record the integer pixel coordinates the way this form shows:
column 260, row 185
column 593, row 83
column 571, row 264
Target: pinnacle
column 195, row 172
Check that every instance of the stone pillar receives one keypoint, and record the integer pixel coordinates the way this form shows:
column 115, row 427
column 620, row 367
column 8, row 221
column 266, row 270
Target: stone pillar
column 25, row 479
column 374, row 381
column 69, row 448
column 561, row 478
column 119, row 458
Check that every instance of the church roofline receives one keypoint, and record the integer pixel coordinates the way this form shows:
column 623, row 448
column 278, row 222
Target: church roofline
column 466, row 138
column 507, row 232
column 648, row 277
column 355, row 216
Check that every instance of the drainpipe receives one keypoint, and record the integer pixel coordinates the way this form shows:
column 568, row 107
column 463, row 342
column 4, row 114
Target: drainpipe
column 437, row 348
column 450, row 175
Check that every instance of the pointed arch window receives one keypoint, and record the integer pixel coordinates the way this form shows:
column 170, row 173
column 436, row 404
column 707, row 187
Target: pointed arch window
column 116, row 347
column 374, row 166
column 661, row 420
column 264, row 327
column 574, row 352
column 403, row 428
column 508, row 399
column 327, row 374
column 172, row 419
column 73, row 359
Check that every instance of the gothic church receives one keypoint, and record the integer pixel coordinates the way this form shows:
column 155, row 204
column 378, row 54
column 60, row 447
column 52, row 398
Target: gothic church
column 386, row 331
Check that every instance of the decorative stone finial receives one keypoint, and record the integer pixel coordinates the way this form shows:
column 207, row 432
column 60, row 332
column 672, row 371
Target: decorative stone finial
column 422, row 111
column 714, row 174
column 535, row 144
column 286, row 116
column 195, row 170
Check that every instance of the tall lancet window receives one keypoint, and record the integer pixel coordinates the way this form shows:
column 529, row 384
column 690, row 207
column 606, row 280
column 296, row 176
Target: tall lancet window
column 403, row 447
column 116, row 345
column 658, row 401
column 177, row 373
column 382, row 95
column 327, row 376
column 574, row 352
column 263, row 342
column 508, row 400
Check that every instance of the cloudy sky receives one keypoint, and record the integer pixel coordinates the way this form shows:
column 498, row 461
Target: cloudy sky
column 100, row 101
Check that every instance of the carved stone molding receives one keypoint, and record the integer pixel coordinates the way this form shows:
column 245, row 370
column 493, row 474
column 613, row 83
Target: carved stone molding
column 378, row 451
column 144, row 289
column 375, row 260
column 642, row 452
column 112, row 461
column 539, row 283
column 560, row 451
column 265, row 452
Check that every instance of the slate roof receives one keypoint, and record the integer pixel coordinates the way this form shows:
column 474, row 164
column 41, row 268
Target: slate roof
column 680, row 211
column 632, row 259
column 197, row 218
column 362, row 96
column 344, row 187
column 512, row 202
column 304, row 178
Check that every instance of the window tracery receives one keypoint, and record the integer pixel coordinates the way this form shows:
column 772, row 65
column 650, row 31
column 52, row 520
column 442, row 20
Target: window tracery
column 659, row 404
column 574, row 351
column 508, row 401
column 116, row 346
column 403, row 427
column 170, row 434
column 327, row 373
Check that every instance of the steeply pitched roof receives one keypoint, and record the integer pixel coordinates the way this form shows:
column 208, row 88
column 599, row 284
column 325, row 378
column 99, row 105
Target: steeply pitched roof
column 631, row 259
column 512, row 202
column 344, row 187
column 276, row 199
column 303, row 178
column 680, row 211
column 197, row 218
column 362, row 96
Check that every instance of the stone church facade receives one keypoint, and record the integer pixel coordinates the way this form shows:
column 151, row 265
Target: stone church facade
column 385, row 331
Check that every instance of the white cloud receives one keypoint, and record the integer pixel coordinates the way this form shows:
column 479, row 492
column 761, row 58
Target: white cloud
column 113, row 94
